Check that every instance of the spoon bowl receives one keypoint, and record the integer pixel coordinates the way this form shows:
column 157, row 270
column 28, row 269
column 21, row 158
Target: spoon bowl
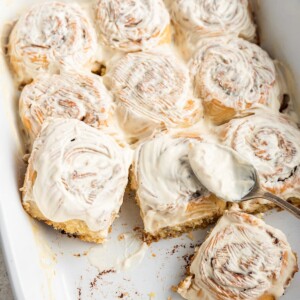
column 210, row 162
column 258, row 192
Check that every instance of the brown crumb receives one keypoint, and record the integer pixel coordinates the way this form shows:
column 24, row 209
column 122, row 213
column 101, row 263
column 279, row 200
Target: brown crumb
column 195, row 246
column 100, row 70
column 153, row 254
column 187, row 258
column 68, row 234
column 79, row 293
column 122, row 295
column 169, row 298
column 176, row 249
column 80, row 254
column 121, row 237
column 93, row 283
column 136, row 228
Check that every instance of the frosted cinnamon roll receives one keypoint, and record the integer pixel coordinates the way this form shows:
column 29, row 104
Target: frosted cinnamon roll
column 151, row 90
column 271, row 143
column 50, row 36
column 133, row 25
column 231, row 76
column 76, row 179
column 68, row 95
column 243, row 258
column 211, row 17
column 171, row 198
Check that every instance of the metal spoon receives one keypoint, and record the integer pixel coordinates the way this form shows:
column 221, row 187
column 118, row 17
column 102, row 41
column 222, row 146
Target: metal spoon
column 258, row 192
column 229, row 176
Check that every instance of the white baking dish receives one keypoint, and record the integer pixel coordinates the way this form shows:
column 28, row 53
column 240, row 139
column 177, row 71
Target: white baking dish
column 41, row 262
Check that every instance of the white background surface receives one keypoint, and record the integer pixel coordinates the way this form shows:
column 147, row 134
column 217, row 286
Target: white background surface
column 42, row 262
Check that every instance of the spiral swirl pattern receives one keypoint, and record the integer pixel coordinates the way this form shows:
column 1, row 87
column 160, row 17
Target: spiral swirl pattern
column 232, row 75
column 69, row 95
column 243, row 258
column 153, row 87
column 272, row 144
column 50, row 36
column 214, row 17
column 133, row 25
column 169, row 192
column 77, row 172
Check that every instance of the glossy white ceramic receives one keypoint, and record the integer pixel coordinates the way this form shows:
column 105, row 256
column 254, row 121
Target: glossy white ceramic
column 44, row 264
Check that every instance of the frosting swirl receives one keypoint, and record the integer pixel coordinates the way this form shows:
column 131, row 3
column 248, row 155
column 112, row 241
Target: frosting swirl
column 231, row 75
column 77, row 172
column 271, row 143
column 168, row 191
column 243, row 258
column 130, row 25
column 68, row 95
column 153, row 89
column 51, row 35
column 214, row 17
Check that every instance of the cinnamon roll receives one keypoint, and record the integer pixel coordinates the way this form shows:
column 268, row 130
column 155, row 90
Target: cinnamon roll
column 76, row 179
column 243, row 258
column 152, row 90
column 271, row 143
column 171, row 198
column 211, row 17
column 133, row 25
column 231, row 76
column 69, row 95
column 50, row 36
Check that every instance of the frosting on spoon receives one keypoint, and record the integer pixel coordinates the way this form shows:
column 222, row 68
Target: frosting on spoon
column 222, row 171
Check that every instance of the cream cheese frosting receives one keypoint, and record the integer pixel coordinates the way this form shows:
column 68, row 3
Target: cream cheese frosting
column 166, row 185
column 222, row 171
column 49, row 37
column 242, row 259
column 79, row 96
column 211, row 17
column 235, row 74
column 129, row 25
column 271, row 143
column 152, row 90
column 77, row 172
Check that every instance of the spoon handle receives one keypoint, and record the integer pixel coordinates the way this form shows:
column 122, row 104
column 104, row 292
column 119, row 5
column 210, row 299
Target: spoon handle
column 282, row 203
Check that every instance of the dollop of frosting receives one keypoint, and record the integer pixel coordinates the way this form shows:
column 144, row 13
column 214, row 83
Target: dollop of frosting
column 153, row 89
column 167, row 188
column 77, row 172
column 222, row 171
column 271, row 143
column 68, row 95
column 50, row 36
column 243, row 258
column 211, row 17
column 233, row 74
column 129, row 25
